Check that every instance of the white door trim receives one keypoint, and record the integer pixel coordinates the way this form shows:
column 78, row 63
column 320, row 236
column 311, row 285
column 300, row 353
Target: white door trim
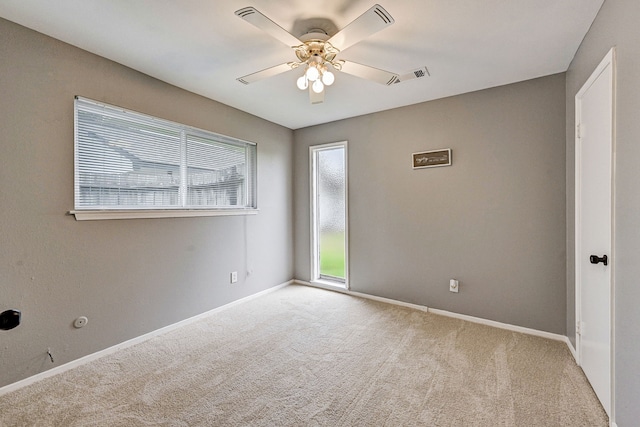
column 608, row 61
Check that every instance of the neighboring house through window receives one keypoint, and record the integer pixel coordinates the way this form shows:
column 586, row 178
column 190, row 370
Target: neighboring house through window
column 125, row 160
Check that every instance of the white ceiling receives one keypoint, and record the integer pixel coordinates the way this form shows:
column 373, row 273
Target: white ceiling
column 201, row 46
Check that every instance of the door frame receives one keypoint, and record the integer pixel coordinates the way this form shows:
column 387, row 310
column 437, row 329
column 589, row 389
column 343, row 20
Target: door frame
column 608, row 61
column 313, row 240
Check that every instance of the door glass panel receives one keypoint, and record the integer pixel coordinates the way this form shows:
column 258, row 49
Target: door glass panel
column 331, row 212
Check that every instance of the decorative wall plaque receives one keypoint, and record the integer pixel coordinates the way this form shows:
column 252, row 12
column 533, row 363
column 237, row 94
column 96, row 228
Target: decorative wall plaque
column 430, row 159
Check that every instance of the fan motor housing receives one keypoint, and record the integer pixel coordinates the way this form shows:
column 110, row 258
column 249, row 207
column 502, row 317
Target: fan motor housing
column 316, row 48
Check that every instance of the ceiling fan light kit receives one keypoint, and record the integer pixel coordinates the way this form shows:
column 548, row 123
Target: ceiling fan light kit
column 302, row 82
column 317, row 55
column 316, row 51
column 317, row 86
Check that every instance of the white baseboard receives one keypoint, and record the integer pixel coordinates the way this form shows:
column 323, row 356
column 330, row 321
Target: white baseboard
column 390, row 301
column 509, row 327
column 572, row 349
column 500, row 325
column 137, row 340
column 361, row 295
column 97, row 355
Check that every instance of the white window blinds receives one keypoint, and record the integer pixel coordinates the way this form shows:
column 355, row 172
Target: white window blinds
column 127, row 160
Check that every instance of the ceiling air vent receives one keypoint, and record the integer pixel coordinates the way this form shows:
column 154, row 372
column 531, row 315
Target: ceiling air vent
column 421, row 72
column 415, row 74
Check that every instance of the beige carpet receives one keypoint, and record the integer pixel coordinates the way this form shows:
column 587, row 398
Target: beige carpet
column 307, row 357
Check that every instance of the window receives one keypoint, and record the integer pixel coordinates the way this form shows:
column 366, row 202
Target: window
column 127, row 161
column 329, row 214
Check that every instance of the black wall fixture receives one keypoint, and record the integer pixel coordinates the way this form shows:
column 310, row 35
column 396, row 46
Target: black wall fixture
column 9, row 319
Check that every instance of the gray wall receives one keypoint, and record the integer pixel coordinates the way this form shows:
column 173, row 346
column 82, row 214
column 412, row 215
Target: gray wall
column 495, row 220
column 128, row 277
column 615, row 25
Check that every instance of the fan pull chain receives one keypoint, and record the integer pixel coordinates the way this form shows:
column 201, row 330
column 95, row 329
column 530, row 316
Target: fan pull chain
column 50, row 355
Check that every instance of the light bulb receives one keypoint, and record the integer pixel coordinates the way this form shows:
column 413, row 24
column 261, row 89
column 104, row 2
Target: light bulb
column 317, row 86
column 302, row 83
column 312, row 73
column 328, row 78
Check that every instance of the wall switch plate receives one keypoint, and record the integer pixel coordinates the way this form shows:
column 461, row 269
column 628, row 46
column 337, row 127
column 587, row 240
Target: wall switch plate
column 454, row 286
column 234, row 276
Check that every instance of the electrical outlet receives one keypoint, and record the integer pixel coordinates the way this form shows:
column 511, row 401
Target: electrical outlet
column 454, row 286
column 234, row 276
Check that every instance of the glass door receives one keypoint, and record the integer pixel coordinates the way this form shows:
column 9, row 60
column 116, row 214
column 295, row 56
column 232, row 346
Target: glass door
column 329, row 213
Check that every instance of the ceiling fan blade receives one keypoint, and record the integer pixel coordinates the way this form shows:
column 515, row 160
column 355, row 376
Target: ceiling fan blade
column 316, row 98
column 370, row 22
column 369, row 73
column 252, row 16
column 269, row 72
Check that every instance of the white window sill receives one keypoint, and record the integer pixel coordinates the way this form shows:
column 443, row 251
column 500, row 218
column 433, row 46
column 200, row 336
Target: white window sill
column 327, row 284
column 166, row 213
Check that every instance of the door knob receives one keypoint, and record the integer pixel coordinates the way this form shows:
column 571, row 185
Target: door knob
column 595, row 259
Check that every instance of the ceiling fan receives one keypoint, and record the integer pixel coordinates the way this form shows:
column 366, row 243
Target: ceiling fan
column 317, row 49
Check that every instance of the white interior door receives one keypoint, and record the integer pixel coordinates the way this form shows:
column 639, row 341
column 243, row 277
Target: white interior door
column 594, row 151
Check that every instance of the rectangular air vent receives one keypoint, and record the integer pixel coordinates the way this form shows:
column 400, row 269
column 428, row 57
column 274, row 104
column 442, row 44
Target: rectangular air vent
column 420, row 73
column 415, row 74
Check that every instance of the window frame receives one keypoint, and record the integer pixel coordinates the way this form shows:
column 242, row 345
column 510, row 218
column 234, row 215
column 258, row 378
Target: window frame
column 183, row 209
column 317, row 278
